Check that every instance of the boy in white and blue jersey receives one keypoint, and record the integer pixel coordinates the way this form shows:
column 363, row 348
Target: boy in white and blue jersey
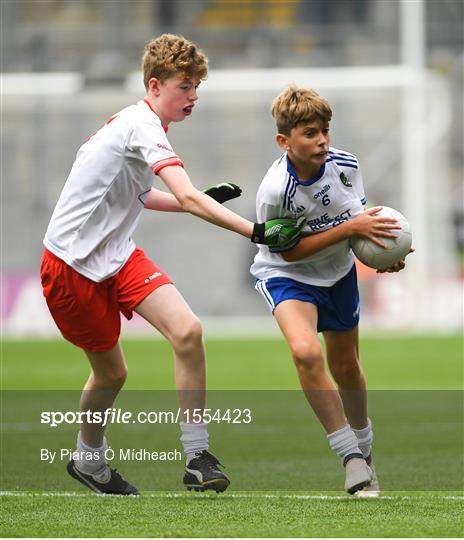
column 333, row 195
column 311, row 285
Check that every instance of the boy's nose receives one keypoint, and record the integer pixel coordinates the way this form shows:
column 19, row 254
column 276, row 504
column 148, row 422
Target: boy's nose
column 324, row 139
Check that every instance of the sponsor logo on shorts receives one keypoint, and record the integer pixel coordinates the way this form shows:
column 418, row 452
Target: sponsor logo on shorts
column 356, row 312
column 153, row 276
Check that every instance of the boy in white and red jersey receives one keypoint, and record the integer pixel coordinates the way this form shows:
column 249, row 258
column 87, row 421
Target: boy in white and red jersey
column 311, row 286
column 92, row 270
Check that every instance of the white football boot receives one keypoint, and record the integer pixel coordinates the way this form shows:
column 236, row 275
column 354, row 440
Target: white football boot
column 358, row 473
column 373, row 489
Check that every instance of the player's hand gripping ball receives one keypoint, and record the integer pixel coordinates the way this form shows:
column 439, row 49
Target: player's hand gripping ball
column 395, row 249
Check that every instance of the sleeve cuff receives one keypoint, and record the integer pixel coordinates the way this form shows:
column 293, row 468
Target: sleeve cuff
column 167, row 162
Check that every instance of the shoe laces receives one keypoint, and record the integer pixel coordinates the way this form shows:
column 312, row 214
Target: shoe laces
column 208, row 459
column 111, row 475
column 116, row 476
column 102, row 476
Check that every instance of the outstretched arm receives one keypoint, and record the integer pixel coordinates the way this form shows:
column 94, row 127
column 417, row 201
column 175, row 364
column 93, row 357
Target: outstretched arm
column 274, row 232
column 198, row 203
column 366, row 224
column 162, row 201
column 166, row 202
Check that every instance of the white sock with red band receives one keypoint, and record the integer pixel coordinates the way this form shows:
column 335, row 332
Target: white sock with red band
column 344, row 442
column 194, row 438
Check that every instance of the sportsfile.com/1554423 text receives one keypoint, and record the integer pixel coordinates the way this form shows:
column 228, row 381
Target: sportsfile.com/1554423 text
column 119, row 416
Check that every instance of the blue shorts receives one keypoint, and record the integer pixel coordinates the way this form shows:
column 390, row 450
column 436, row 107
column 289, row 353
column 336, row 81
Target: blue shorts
column 337, row 306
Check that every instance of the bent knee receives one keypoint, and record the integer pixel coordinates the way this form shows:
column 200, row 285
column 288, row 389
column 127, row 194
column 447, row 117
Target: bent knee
column 347, row 369
column 307, row 355
column 120, row 375
column 111, row 378
column 189, row 335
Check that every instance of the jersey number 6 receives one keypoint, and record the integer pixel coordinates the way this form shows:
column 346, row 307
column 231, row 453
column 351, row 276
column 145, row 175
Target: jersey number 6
column 325, row 200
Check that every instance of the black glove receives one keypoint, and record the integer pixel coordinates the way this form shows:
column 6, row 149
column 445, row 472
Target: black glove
column 223, row 192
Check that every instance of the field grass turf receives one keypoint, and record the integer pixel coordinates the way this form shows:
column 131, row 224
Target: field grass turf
column 391, row 363
column 233, row 515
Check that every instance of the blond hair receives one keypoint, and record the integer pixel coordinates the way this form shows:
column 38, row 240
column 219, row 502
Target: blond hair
column 169, row 55
column 296, row 106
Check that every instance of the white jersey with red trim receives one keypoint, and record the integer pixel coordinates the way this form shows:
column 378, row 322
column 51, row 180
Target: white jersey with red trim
column 335, row 195
column 101, row 202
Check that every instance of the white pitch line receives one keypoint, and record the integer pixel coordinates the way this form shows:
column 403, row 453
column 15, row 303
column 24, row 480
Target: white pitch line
column 230, row 495
column 344, row 497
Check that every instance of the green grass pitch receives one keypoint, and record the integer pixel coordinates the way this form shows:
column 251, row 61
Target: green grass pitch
column 416, row 404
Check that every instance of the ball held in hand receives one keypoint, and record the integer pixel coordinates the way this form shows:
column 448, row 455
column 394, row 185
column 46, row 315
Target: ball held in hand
column 395, row 249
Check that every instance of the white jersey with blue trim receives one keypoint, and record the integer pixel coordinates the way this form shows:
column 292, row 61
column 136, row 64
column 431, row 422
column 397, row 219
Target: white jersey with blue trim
column 335, row 195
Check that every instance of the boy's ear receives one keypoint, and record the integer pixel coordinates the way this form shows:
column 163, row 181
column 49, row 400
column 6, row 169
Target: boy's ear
column 154, row 85
column 282, row 141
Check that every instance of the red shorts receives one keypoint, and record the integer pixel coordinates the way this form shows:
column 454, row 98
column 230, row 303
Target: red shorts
column 86, row 312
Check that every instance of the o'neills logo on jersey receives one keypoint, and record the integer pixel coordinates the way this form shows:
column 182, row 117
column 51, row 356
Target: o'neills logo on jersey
column 153, row 276
column 323, row 191
column 164, row 147
column 345, row 180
